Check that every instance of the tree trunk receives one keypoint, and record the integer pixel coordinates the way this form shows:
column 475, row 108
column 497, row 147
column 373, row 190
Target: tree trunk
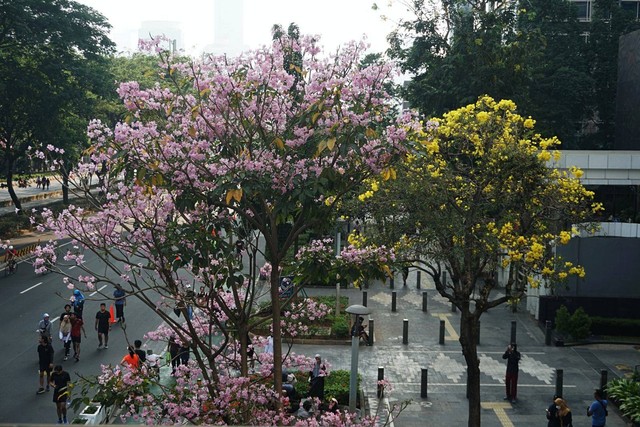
column 277, row 330
column 8, row 163
column 468, row 340
column 65, row 187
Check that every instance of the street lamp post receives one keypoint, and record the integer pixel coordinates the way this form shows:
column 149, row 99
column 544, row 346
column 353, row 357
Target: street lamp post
column 356, row 310
column 339, row 227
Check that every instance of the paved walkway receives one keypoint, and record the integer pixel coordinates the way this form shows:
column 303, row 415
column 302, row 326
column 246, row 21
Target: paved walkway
column 446, row 404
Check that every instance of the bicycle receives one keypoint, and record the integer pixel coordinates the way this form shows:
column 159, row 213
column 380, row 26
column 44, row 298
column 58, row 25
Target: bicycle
column 11, row 268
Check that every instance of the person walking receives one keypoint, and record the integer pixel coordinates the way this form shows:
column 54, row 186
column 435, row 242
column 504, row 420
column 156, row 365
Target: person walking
column 44, row 327
column 137, row 344
column 78, row 302
column 103, row 326
column 131, row 360
column 512, row 355
column 45, row 360
column 552, row 413
column 77, row 330
column 60, row 380
column 174, row 348
column 67, row 312
column 65, row 335
column 598, row 410
column 564, row 413
column 120, row 302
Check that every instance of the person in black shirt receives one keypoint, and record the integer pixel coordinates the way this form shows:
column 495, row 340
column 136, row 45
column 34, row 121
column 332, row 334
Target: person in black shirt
column 45, row 360
column 511, row 380
column 67, row 312
column 60, row 382
column 141, row 353
column 103, row 326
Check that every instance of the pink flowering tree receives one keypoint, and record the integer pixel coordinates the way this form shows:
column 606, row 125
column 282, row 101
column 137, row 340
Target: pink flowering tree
column 317, row 262
column 263, row 145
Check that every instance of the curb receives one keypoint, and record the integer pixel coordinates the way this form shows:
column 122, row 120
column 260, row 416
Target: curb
column 42, row 196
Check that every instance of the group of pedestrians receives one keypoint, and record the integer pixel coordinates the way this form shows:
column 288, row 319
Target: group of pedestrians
column 43, row 182
column 559, row 414
column 71, row 331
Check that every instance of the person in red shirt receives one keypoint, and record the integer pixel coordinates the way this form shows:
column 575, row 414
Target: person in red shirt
column 131, row 360
column 77, row 330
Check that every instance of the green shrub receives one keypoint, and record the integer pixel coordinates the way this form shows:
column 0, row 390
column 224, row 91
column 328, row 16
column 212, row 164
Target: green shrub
column 563, row 320
column 340, row 327
column 337, row 385
column 580, row 324
column 576, row 325
column 615, row 326
column 626, row 393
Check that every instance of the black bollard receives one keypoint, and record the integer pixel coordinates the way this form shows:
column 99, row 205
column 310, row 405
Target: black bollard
column 423, row 382
column 418, row 280
column 424, row 301
column 603, row 382
column 441, row 332
column 513, row 331
column 405, row 331
column 559, row 379
column 364, row 298
column 380, row 378
column 547, row 332
column 391, row 283
column 394, row 298
column 370, row 331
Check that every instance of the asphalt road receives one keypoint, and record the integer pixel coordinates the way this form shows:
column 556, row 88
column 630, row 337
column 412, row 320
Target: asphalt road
column 24, row 297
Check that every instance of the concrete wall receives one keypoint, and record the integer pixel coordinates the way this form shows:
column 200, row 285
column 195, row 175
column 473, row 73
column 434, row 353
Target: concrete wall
column 612, row 265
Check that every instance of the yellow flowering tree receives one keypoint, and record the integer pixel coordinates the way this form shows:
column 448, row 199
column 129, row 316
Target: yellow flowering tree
column 476, row 194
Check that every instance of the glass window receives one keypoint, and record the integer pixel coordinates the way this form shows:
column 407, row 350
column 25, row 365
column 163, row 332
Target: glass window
column 584, row 10
column 631, row 7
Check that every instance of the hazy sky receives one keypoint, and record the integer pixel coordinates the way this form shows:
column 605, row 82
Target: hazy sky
column 337, row 21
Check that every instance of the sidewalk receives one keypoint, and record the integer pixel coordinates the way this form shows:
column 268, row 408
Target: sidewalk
column 446, row 403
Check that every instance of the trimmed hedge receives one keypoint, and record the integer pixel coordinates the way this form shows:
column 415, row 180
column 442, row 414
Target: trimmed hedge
column 335, row 385
column 615, row 326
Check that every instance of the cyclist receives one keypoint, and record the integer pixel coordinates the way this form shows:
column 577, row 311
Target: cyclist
column 11, row 257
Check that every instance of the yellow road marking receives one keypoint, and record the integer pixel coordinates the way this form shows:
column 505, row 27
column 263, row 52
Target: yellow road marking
column 499, row 409
column 453, row 334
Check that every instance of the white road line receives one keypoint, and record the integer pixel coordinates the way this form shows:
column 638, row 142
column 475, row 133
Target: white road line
column 72, row 267
column 98, row 290
column 28, row 289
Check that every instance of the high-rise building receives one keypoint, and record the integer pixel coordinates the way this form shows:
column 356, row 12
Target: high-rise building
column 585, row 8
column 228, row 27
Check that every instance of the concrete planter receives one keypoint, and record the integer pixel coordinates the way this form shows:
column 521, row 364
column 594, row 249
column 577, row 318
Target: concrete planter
column 94, row 413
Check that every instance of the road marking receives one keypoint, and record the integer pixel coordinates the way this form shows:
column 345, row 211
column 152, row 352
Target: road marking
column 28, row 289
column 453, row 335
column 97, row 291
column 498, row 408
column 72, row 267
